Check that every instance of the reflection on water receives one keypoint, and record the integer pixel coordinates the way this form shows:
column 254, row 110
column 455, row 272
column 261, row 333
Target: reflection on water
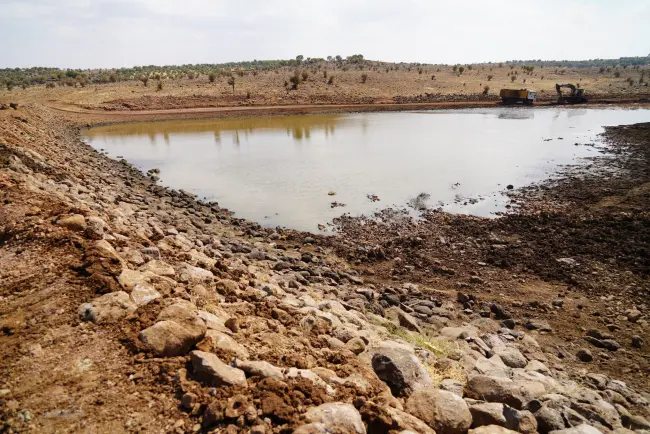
column 279, row 170
column 296, row 127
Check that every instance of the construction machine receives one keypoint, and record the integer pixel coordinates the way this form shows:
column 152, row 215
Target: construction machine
column 513, row 96
column 576, row 96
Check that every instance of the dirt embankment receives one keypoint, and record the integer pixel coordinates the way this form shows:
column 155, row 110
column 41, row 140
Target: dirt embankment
column 127, row 307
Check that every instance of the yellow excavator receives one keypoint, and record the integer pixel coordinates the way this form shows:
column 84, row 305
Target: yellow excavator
column 576, row 96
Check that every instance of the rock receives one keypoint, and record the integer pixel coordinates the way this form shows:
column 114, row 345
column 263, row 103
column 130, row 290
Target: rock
column 311, row 376
column 170, row 339
column 496, row 389
column 580, row 429
column 637, row 423
column 633, row 315
column 282, row 265
column 637, row 341
column 142, row 294
column 189, row 273
column 512, row 358
column 537, row 366
column 459, row 332
column 584, row 355
column 491, row 429
column 453, row 386
column 129, row 278
column 159, row 268
column 337, row 416
column 599, row 411
column 150, row 253
column 223, row 342
column 493, row 366
column 521, row 421
column 259, row 368
column 383, row 419
column 356, row 345
column 400, row 369
column 488, row 413
column 548, row 419
column 209, row 369
column 443, row 411
column 407, row 321
column 95, row 227
column 107, row 308
column 75, row 222
column 538, row 324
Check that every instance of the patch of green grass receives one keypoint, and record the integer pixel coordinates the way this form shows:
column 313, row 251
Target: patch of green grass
column 439, row 347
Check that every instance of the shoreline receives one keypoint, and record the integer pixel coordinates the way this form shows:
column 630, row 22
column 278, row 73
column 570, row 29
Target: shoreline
column 318, row 300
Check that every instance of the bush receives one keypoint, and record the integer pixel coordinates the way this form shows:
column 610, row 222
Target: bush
column 295, row 81
column 212, row 77
column 331, row 80
column 231, row 82
column 324, row 74
column 145, row 80
column 112, row 78
column 420, row 71
column 486, row 89
column 305, row 75
column 159, row 86
column 617, row 74
column 513, row 78
column 50, row 85
column 469, row 67
column 433, row 77
column 240, row 73
column 190, row 75
column 455, row 68
column 489, row 77
column 364, row 78
column 461, row 69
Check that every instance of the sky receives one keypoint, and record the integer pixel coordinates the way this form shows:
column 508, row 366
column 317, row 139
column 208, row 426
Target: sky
column 121, row 33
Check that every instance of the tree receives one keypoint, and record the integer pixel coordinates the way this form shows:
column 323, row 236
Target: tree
column 461, row 69
column 454, row 68
column 329, row 58
column 231, row 82
column 338, row 58
column 299, row 58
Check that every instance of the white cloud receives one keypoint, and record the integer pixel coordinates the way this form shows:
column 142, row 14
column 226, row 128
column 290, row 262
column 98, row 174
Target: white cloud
column 91, row 33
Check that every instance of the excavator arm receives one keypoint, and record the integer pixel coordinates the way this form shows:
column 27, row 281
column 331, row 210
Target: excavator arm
column 558, row 88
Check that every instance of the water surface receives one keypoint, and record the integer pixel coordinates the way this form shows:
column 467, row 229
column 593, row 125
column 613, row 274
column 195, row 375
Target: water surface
column 279, row 170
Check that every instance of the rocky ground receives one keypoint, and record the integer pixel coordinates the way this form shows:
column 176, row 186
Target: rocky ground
column 128, row 307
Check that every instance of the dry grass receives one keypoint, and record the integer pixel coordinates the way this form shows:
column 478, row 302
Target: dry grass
column 454, row 372
column 439, row 347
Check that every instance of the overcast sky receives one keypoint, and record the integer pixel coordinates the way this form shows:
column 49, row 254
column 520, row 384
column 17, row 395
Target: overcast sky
column 114, row 33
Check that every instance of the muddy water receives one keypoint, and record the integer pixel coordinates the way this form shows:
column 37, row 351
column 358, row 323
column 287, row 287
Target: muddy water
column 279, row 170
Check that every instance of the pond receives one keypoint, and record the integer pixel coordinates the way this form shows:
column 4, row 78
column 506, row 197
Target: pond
column 299, row 171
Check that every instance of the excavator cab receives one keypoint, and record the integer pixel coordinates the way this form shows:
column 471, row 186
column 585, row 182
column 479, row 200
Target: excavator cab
column 576, row 95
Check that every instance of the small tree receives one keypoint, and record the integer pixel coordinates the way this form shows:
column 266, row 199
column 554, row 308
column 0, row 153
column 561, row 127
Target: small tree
column 513, row 78
column 325, row 72
column 231, row 82
column 364, row 77
column 212, row 77
column 305, row 75
column 295, row 81
column 145, row 80
column 489, row 77
column 331, row 80
column 455, row 68
column 461, row 69
column 159, row 86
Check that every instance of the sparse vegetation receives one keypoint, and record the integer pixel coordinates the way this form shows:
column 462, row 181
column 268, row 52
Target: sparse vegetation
column 364, row 78
column 305, row 75
column 295, row 81
column 489, row 77
column 231, row 82
column 145, row 80
column 513, row 78
column 159, row 86
column 212, row 77
column 461, row 69
column 331, row 80
column 617, row 74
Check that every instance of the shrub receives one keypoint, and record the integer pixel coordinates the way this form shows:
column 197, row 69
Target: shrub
column 295, row 81
column 617, row 74
column 331, row 80
column 461, row 69
column 486, row 89
column 248, row 95
column 231, row 82
column 112, row 78
column 50, row 85
column 489, row 77
column 145, row 80
column 240, row 73
column 513, row 78
column 420, row 71
column 455, row 68
column 190, row 75
column 254, row 73
column 364, row 78
column 159, row 86
column 212, row 77
column 305, row 75
column 324, row 74
column 602, row 69
column 469, row 67
column 433, row 77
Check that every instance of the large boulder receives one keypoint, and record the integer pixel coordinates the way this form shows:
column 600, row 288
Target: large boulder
column 398, row 367
column 491, row 429
column 511, row 357
column 107, row 308
column 259, row 369
column 159, row 268
column 549, row 419
column 170, row 339
column 210, row 370
column 221, row 342
column 75, row 222
column 496, row 389
column 487, row 413
column 444, row 411
column 337, row 416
